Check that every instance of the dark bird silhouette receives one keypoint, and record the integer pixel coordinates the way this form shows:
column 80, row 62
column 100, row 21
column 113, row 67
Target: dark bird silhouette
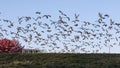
column 106, row 15
column 111, row 22
column 76, row 18
column 36, row 19
column 27, row 18
column 46, row 16
column 38, row 12
column 62, row 13
column 100, row 16
column 20, row 20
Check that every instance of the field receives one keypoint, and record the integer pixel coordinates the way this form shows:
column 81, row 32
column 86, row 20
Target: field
column 56, row 60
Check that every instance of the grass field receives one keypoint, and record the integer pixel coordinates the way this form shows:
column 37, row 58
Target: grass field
column 54, row 60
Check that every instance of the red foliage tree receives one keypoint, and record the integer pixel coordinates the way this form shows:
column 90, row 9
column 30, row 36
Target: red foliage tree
column 10, row 46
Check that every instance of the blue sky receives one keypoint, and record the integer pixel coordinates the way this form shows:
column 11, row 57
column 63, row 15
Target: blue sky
column 88, row 9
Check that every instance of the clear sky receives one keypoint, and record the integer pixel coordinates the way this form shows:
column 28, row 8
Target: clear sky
column 88, row 9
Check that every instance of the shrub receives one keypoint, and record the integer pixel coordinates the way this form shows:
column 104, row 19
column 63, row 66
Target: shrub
column 10, row 46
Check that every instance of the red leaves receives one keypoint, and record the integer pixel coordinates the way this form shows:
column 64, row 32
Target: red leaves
column 10, row 46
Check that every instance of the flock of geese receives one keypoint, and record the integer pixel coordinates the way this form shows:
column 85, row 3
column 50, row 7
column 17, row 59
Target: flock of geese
column 66, row 34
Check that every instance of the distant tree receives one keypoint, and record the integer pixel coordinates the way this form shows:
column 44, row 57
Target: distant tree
column 10, row 46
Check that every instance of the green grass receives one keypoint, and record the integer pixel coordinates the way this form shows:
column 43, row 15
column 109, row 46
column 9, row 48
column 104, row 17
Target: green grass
column 54, row 60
